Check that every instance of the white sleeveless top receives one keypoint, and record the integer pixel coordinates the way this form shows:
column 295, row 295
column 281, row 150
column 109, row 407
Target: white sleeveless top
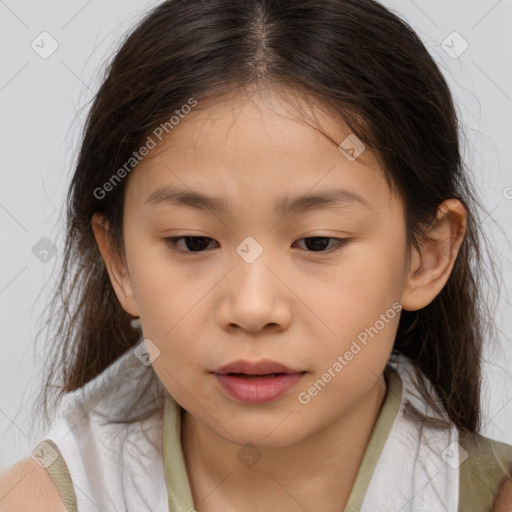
column 117, row 466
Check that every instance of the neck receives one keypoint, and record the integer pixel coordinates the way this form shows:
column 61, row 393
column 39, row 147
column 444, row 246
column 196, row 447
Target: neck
column 317, row 470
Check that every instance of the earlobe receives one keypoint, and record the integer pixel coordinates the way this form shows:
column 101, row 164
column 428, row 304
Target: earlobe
column 432, row 264
column 116, row 267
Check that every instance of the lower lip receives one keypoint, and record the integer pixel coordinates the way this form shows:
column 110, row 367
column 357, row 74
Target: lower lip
column 258, row 390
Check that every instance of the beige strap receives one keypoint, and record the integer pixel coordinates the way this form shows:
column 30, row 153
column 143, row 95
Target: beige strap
column 176, row 478
column 381, row 430
column 48, row 456
column 486, row 463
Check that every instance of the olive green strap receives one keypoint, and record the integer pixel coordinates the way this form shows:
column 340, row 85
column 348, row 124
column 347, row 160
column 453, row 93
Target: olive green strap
column 48, row 456
column 381, row 430
column 485, row 463
column 179, row 492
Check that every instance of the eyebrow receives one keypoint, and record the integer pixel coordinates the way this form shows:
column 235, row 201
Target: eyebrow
column 284, row 206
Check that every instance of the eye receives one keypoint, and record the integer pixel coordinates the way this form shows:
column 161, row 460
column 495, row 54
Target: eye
column 319, row 243
column 200, row 243
column 194, row 243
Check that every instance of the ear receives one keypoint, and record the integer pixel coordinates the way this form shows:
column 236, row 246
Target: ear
column 116, row 267
column 431, row 266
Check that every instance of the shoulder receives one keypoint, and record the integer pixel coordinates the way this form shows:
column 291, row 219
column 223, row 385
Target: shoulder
column 486, row 453
column 27, row 486
column 503, row 500
column 485, row 471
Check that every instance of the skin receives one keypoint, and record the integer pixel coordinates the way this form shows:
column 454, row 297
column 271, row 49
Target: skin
column 503, row 501
column 293, row 304
column 211, row 437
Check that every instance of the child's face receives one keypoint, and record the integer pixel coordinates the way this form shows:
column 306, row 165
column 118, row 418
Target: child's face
column 303, row 304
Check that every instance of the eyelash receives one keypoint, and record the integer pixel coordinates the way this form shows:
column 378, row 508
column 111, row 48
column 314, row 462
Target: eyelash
column 172, row 243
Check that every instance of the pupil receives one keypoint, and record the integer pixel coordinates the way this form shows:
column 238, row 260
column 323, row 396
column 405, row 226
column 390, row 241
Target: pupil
column 196, row 243
column 317, row 242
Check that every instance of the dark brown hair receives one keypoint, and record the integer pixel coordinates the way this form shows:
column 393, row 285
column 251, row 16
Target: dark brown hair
column 355, row 57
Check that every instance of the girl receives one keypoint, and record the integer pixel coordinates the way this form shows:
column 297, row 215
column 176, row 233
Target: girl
column 273, row 270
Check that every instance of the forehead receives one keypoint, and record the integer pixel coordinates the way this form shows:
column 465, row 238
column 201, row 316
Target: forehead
column 258, row 149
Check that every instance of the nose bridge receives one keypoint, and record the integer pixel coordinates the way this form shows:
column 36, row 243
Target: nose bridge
column 253, row 294
column 251, row 266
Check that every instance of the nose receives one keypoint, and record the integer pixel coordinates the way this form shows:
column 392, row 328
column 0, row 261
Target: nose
column 254, row 297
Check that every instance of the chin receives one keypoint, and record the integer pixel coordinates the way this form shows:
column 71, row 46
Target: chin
column 273, row 432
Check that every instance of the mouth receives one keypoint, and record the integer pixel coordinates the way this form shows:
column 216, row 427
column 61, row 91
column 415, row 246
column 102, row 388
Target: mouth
column 258, row 382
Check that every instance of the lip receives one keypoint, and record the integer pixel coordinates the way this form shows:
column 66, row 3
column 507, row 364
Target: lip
column 262, row 367
column 257, row 382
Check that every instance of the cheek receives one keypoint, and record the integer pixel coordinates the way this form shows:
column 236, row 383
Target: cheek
column 161, row 290
column 364, row 284
column 179, row 365
column 359, row 306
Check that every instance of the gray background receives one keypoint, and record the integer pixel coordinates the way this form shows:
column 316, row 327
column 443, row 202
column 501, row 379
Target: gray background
column 42, row 107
